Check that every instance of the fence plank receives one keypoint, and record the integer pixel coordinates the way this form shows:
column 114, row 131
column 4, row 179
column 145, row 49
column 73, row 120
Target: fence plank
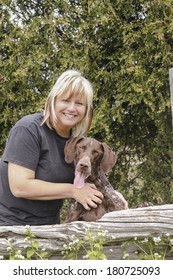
column 121, row 225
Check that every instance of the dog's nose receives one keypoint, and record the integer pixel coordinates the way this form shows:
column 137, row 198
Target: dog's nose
column 84, row 165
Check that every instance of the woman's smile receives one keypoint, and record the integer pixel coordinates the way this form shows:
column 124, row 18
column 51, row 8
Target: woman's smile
column 69, row 115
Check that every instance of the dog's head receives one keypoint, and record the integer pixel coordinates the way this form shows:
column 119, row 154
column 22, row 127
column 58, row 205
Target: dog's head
column 89, row 155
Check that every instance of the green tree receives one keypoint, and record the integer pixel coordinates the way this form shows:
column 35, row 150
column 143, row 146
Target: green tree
column 125, row 49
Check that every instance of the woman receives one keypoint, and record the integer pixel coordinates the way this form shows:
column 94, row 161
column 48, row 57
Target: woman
column 34, row 177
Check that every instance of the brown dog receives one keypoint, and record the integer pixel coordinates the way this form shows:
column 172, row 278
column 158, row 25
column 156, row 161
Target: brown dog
column 92, row 160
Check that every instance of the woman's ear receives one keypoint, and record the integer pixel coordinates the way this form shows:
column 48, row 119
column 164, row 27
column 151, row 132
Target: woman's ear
column 69, row 150
column 108, row 160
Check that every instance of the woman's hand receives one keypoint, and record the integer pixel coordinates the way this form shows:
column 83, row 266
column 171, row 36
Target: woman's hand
column 88, row 196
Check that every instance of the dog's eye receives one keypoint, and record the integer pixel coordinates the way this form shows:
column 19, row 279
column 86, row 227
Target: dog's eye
column 95, row 153
column 82, row 148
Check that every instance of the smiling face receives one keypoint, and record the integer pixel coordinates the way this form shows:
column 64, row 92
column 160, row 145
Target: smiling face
column 70, row 110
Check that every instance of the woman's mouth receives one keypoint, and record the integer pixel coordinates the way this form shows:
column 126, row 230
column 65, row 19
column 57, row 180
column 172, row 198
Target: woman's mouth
column 69, row 116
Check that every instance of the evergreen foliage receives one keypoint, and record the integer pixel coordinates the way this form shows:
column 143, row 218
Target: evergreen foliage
column 125, row 49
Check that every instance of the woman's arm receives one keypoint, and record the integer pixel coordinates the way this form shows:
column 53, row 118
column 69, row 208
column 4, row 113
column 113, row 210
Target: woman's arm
column 23, row 184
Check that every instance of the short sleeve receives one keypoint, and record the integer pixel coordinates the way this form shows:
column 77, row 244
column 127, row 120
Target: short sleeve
column 22, row 148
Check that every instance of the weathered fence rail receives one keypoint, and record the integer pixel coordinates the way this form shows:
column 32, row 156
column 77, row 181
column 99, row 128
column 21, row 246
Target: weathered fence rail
column 122, row 225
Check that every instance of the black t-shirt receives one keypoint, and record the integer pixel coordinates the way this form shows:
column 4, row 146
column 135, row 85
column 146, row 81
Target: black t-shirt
column 40, row 149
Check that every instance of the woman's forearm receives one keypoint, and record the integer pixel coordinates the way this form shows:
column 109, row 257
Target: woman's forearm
column 41, row 190
column 24, row 184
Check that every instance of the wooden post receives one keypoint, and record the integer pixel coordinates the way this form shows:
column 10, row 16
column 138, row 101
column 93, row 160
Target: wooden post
column 171, row 89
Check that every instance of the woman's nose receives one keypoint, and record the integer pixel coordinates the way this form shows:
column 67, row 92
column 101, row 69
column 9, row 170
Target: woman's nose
column 71, row 106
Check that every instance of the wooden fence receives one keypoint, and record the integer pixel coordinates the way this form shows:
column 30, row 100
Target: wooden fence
column 121, row 226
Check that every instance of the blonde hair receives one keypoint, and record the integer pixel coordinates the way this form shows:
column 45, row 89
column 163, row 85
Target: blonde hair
column 73, row 82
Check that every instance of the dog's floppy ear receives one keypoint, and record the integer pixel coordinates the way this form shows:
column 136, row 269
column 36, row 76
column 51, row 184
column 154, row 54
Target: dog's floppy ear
column 108, row 160
column 69, row 149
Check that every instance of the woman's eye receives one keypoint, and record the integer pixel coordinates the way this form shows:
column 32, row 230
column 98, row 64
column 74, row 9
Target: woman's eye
column 79, row 103
column 65, row 100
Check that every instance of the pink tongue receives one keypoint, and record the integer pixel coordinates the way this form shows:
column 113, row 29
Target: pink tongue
column 79, row 180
